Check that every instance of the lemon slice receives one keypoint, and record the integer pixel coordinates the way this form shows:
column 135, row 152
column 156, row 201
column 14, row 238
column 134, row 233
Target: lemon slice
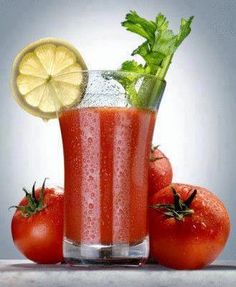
column 47, row 77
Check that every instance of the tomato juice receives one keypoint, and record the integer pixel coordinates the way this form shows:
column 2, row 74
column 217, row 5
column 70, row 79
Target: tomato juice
column 106, row 152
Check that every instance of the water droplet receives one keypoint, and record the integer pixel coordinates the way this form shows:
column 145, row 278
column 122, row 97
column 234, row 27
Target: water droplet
column 203, row 224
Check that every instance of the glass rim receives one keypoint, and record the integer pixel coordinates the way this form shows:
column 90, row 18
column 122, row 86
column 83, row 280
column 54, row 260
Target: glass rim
column 122, row 72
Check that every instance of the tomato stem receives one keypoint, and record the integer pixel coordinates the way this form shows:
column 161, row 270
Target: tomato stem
column 189, row 200
column 152, row 158
column 33, row 204
column 179, row 209
column 40, row 205
column 33, row 192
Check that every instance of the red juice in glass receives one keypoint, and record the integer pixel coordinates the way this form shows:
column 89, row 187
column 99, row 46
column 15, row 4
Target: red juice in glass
column 106, row 154
column 106, row 141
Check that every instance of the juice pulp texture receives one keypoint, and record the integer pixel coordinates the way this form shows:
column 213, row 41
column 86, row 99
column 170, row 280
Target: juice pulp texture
column 106, row 152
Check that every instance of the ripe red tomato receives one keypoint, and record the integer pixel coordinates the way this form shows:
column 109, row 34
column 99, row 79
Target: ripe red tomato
column 37, row 225
column 189, row 226
column 160, row 171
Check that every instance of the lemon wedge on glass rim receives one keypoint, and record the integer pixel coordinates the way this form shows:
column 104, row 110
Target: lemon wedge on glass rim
column 47, row 77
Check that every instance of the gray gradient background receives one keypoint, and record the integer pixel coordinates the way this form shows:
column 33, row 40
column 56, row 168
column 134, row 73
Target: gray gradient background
column 196, row 122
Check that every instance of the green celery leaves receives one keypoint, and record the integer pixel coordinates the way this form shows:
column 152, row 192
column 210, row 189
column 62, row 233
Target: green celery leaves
column 159, row 46
column 156, row 51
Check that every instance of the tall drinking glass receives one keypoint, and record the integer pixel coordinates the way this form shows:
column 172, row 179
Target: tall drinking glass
column 106, row 141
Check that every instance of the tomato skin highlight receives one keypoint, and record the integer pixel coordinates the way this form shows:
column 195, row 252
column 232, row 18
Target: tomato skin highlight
column 160, row 172
column 39, row 237
column 194, row 242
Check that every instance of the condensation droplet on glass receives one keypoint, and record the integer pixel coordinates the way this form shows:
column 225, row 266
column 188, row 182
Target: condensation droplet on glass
column 203, row 224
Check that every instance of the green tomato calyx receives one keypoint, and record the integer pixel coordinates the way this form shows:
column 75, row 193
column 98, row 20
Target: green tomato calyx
column 33, row 204
column 179, row 209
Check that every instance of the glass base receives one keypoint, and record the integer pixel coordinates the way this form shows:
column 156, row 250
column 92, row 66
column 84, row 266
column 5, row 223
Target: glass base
column 95, row 254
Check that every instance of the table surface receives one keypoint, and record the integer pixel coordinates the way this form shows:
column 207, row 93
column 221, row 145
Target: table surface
column 19, row 273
